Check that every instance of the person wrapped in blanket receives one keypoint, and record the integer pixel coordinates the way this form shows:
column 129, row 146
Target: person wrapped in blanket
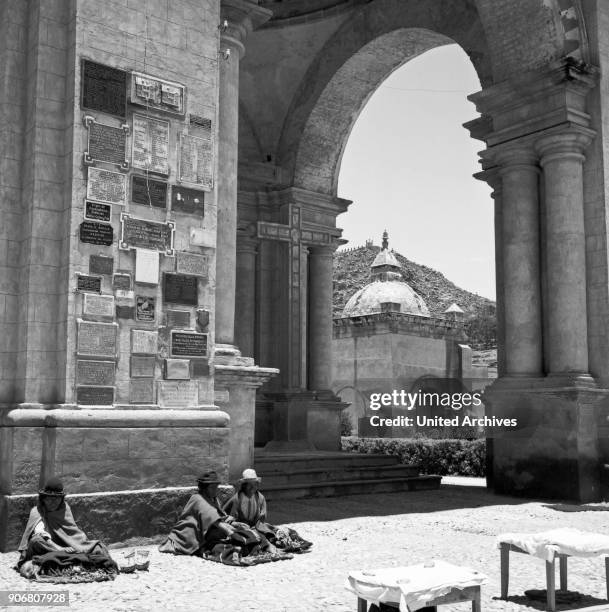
column 249, row 506
column 53, row 546
column 205, row 530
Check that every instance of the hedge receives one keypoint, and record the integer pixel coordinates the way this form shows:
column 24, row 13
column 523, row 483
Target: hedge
column 443, row 457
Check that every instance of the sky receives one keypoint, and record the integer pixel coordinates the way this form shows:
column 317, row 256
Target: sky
column 408, row 168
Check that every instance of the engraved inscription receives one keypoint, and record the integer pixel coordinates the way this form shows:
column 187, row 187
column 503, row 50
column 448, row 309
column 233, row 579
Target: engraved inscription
column 150, row 148
column 98, row 305
column 106, row 186
column 178, row 394
column 188, row 344
column 100, row 264
column 97, row 339
column 96, row 211
column 90, row 372
column 180, row 289
column 177, row 369
column 94, row 396
column 91, row 284
column 142, row 366
column 106, row 143
column 146, row 234
column 148, row 192
column 195, row 161
column 178, row 318
column 104, row 88
column 144, row 341
column 93, row 232
column 158, row 94
column 191, row 263
column 141, row 392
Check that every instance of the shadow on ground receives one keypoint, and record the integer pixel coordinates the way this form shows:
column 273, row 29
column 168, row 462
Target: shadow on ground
column 568, row 600
column 578, row 507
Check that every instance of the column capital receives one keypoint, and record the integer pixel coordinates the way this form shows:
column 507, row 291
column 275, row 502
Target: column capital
column 570, row 142
column 241, row 17
column 322, row 250
column 520, row 154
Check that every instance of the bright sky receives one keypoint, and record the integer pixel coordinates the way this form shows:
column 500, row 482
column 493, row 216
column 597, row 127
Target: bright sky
column 408, row 168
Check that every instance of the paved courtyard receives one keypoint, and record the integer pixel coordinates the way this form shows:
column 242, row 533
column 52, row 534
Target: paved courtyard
column 456, row 523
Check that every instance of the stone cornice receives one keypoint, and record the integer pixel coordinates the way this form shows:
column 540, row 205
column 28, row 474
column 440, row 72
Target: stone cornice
column 246, row 376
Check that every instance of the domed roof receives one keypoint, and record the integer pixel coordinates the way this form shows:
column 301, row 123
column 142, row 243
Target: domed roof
column 369, row 299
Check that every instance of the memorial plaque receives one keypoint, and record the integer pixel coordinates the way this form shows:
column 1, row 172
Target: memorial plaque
column 144, row 341
column 199, row 368
column 96, row 211
column 150, row 144
column 148, row 192
column 202, row 237
column 147, row 266
column 106, row 186
column 106, row 143
column 142, row 366
column 96, row 339
column 121, row 281
column 200, row 122
column 221, row 396
column 95, row 372
column 178, row 318
column 94, row 396
column 196, row 161
column 125, row 311
column 100, row 264
column 90, row 284
column 157, row 94
column 145, row 308
column 188, row 201
column 180, row 289
column 141, row 392
column 188, row 344
column 191, row 263
column 98, row 305
column 177, row 369
column 178, row 394
column 145, row 234
column 93, row 232
column 104, row 88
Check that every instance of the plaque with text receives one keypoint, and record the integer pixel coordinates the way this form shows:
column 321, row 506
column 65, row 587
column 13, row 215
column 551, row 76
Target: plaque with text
column 98, row 305
column 90, row 284
column 201, row 237
column 199, row 368
column 144, row 341
column 94, row 396
column 202, row 123
column 142, row 366
column 141, row 392
column 144, row 234
column 106, row 186
column 96, row 211
column 96, row 339
column 221, row 396
column 157, row 94
column 148, row 192
column 187, row 201
column 106, row 143
column 188, row 344
column 177, row 369
column 121, row 281
column 178, row 394
column 100, row 264
column 145, row 308
column 180, row 289
column 104, row 88
column 93, row 232
column 150, row 144
column 196, row 161
column 178, row 318
column 125, row 311
column 89, row 372
column 192, row 263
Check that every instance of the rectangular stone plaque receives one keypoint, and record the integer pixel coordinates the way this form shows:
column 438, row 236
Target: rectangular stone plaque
column 157, row 94
column 180, row 289
column 188, row 201
column 100, row 264
column 200, row 122
column 98, row 305
column 199, row 368
column 141, row 392
column 142, row 366
column 96, row 339
column 147, row 266
column 178, row 318
column 90, row 284
column 94, row 396
column 150, row 150
column 178, row 394
column 121, row 281
column 221, row 395
column 106, row 143
column 202, row 237
column 90, row 372
column 125, row 311
column 196, row 161
column 177, row 369
column 188, row 344
column 106, row 186
column 192, row 263
column 148, row 192
column 96, row 211
column 144, row 341
column 143, row 234
column 145, row 308
column 93, row 232
column 104, row 88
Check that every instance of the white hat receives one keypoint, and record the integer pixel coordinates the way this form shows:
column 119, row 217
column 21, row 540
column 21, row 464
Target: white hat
column 249, row 475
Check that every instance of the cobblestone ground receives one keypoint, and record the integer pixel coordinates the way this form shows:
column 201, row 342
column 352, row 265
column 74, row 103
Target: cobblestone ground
column 456, row 523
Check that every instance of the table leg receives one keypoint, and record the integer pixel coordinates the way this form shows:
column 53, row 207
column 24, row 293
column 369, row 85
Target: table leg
column 476, row 604
column 505, row 569
column 607, row 574
column 563, row 573
column 551, row 584
column 361, row 605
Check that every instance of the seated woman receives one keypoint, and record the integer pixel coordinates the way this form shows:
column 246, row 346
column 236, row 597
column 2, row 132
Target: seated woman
column 53, row 544
column 249, row 506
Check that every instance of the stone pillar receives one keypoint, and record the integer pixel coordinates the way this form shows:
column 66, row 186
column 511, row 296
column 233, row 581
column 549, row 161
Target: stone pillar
column 245, row 307
column 320, row 317
column 562, row 161
column 520, row 254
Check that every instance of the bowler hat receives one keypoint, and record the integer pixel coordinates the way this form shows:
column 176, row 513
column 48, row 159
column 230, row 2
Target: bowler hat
column 208, row 478
column 52, row 487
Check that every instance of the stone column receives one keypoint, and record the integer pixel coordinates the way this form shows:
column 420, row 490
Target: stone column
column 562, row 160
column 320, row 317
column 239, row 17
column 245, row 307
column 521, row 268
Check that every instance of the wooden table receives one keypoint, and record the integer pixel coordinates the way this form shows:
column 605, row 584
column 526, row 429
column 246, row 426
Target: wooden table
column 455, row 596
column 505, row 549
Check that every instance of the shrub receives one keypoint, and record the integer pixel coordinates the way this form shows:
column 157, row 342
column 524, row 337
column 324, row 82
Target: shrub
column 443, row 457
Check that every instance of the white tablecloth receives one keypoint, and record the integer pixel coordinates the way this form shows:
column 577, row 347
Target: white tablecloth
column 412, row 587
column 546, row 544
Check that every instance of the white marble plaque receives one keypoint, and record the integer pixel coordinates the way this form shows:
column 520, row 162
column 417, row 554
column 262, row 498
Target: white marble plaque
column 98, row 305
column 191, row 263
column 178, row 394
column 196, row 161
column 202, row 237
column 146, row 266
column 96, row 339
column 221, row 396
column 144, row 342
column 157, row 94
column 141, row 392
column 89, row 372
column 177, row 369
column 106, row 186
column 150, row 144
